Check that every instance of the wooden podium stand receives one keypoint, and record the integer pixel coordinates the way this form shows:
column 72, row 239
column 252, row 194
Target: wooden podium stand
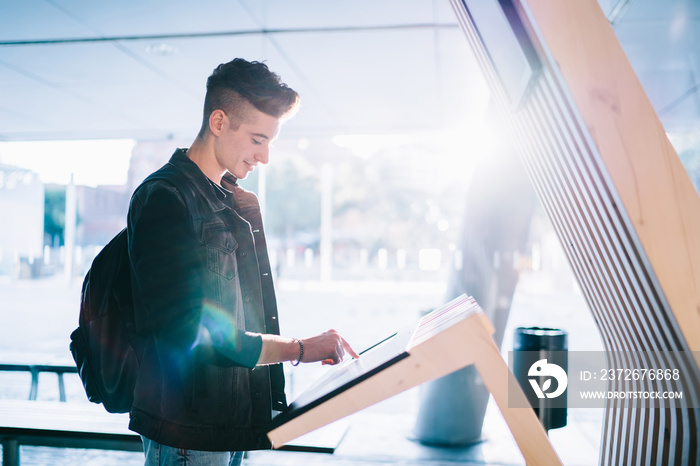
column 452, row 337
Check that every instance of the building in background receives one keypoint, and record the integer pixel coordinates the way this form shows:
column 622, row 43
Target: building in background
column 22, row 208
column 101, row 213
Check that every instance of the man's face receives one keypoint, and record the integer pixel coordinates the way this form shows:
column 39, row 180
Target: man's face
column 240, row 150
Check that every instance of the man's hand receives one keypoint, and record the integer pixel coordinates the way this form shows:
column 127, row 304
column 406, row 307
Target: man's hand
column 328, row 347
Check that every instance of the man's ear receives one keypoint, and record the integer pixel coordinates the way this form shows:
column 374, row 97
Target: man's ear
column 217, row 122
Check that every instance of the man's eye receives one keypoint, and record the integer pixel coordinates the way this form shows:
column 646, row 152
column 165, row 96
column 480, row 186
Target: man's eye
column 255, row 141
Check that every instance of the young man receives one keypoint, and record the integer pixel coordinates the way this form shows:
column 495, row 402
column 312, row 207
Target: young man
column 204, row 303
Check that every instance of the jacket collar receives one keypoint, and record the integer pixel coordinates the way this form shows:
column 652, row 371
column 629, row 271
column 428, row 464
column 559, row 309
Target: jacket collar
column 199, row 180
column 229, row 181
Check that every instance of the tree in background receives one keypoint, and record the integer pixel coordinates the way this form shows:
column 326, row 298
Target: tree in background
column 54, row 215
column 292, row 199
column 405, row 197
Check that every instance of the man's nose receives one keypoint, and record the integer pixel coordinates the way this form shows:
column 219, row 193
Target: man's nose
column 263, row 155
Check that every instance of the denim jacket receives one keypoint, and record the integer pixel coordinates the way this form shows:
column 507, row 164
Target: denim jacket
column 203, row 293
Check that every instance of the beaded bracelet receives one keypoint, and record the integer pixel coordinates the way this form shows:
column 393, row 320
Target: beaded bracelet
column 301, row 352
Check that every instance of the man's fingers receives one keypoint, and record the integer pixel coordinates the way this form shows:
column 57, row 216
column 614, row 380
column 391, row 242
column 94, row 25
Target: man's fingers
column 349, row 349
column 329, row 348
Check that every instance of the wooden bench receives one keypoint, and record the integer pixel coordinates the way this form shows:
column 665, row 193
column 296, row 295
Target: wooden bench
column 88, row 425
column 63, row 425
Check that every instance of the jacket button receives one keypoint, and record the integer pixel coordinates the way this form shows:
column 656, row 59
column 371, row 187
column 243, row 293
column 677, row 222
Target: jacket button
column 247, row 299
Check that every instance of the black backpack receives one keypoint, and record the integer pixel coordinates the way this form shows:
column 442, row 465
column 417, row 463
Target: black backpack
column 104, row 344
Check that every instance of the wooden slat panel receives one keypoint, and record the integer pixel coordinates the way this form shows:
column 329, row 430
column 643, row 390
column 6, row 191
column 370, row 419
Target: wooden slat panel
column 655, row 189
column 622, row 205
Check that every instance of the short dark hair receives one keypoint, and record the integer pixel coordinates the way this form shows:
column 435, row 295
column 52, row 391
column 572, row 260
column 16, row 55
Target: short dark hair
column 239, row 82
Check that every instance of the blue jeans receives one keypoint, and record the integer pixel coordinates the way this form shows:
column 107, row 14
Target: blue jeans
column 162, row 455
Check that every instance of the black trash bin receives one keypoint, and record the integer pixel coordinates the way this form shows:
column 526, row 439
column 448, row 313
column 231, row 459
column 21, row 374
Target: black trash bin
column 540, row 364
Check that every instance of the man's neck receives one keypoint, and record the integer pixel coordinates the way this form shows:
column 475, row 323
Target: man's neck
column 202, row 154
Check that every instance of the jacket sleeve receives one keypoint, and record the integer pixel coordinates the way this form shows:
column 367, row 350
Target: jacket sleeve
column 168, row 269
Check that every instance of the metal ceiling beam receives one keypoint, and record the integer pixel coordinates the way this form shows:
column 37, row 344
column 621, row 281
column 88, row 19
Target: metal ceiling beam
column 392, row 27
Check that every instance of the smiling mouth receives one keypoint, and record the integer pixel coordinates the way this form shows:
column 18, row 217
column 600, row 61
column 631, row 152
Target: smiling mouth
column 251, row 166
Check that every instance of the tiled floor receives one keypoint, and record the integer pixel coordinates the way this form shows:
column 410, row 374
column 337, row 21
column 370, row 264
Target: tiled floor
column 383, row 435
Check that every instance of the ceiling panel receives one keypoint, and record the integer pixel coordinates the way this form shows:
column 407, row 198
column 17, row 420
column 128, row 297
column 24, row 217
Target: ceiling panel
column 668, row 11
column 398, row 65
column 33, row 19
column 67, row 19
column 190, row 61
column 71, row 64
column 369, row 67
column 300, row 14
column 661, row 41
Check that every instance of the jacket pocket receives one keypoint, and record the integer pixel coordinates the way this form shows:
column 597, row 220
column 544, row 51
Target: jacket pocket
column 221, row 250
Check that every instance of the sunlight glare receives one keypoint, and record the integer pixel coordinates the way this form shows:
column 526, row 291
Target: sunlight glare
column 91, row 162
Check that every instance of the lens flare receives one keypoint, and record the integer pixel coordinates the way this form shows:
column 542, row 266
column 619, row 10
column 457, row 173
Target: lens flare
column 216, row 328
